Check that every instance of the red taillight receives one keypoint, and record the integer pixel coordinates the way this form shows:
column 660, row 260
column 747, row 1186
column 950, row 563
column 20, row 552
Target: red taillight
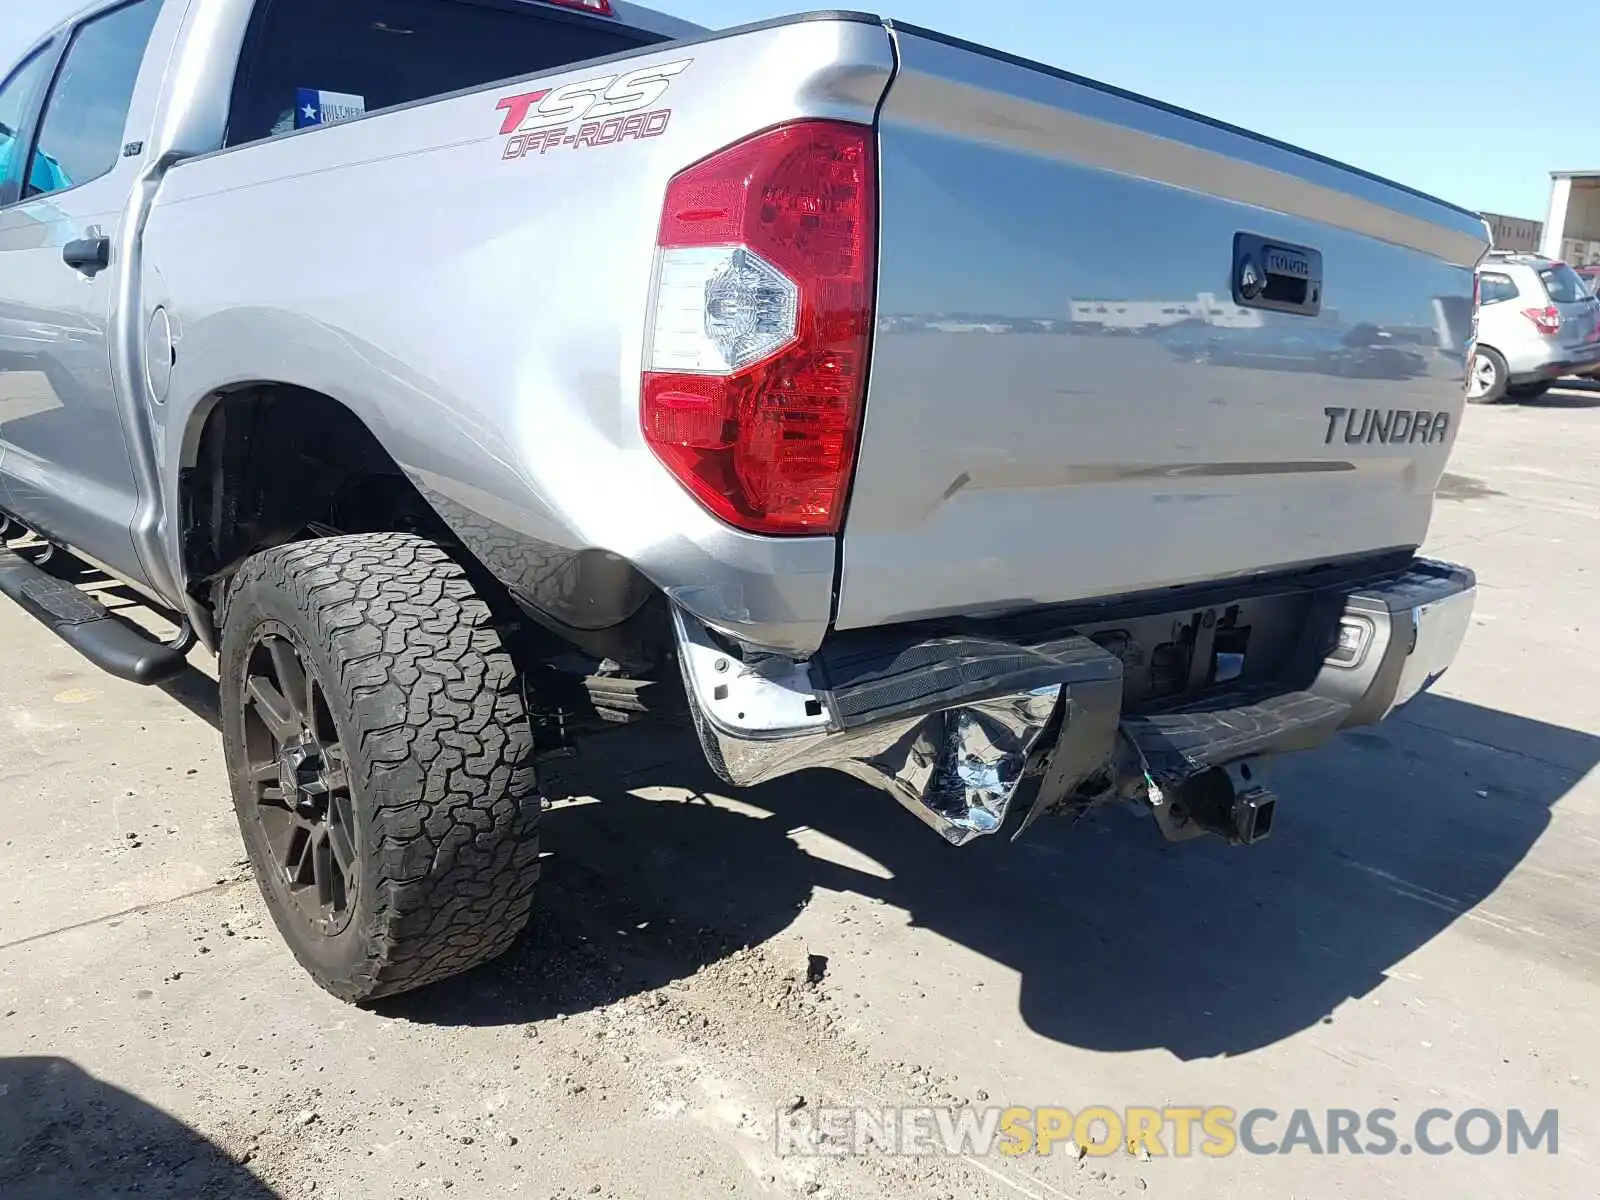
column 754, row 379
column 601, row 8
column 1548, row 319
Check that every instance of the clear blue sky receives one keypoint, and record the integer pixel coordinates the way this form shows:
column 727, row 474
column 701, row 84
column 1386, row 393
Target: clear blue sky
column 1473, row 101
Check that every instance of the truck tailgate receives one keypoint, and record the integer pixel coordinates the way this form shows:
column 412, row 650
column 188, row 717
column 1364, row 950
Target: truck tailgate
column 1121, row 347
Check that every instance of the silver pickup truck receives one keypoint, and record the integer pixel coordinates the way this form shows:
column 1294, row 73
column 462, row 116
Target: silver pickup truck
column 476, row 376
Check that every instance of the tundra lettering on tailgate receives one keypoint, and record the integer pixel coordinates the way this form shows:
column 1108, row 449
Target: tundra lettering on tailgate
column 607, row 109
column 1389, row 426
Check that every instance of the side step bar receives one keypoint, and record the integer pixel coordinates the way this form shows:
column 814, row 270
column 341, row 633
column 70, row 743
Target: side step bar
column 106, row 640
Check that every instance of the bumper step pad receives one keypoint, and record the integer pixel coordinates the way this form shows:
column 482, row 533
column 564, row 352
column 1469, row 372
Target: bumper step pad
column 1224, row 729
column 873, row 685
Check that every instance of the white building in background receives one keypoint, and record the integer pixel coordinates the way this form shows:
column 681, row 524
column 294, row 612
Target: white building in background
column 944, row 326
column 1225, row 314
column 1572, row 225
column 1514, row 233
column 1134, row 315
column 1137, row 316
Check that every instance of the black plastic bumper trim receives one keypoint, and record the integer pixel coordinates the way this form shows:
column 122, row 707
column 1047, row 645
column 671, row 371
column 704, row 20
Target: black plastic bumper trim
column 869, row 676
column 867, row 684
column 1224, row 729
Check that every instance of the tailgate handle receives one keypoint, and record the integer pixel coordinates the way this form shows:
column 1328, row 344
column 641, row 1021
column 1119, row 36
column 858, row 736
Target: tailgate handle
column 1277, row 276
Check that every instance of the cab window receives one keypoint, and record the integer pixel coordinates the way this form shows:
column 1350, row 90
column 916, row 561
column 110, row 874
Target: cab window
column 311, row 62
column 17, row 97
column 80, row 133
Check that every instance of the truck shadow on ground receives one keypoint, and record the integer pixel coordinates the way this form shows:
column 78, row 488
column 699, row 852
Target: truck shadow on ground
column 1569, row 393
column 1122, row 942
column 65, row 1135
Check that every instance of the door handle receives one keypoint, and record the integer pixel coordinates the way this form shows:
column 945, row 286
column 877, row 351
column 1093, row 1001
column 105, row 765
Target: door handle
column 89, row 255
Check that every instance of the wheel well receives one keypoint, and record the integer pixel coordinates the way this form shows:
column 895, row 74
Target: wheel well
column 275, row 464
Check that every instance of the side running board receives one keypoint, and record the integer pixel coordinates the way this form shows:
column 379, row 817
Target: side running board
column 111, row 643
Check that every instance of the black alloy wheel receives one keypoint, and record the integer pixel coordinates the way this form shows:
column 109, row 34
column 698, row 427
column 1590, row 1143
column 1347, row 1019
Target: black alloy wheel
column 300, row 778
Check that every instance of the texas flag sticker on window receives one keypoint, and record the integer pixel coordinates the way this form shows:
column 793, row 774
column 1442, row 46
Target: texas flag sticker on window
column 315, row 107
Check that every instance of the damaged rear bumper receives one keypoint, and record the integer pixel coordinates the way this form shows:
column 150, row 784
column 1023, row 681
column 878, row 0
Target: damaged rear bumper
column 953, row 720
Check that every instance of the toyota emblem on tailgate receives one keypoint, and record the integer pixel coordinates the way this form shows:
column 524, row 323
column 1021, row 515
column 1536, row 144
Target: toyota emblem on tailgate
column 1249, row 279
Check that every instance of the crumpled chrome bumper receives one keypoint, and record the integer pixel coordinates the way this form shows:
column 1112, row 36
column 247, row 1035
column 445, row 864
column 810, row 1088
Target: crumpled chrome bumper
column 956, row 767
column 953, row 726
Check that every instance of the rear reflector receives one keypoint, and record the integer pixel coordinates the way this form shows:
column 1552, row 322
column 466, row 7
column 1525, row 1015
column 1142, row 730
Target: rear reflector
column 755, row 372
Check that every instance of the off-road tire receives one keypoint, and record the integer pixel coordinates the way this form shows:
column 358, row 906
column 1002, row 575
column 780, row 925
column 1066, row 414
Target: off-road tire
column 431, row 715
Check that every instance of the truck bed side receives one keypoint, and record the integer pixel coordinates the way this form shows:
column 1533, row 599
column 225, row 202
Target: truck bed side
column 478, row 301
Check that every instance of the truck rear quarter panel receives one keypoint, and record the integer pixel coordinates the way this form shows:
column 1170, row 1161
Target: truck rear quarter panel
column 480, row 305
column 1010, row 458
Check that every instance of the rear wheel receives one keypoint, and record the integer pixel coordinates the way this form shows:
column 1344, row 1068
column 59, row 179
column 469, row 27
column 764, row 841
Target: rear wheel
column 1487, row 377
column 381, row 761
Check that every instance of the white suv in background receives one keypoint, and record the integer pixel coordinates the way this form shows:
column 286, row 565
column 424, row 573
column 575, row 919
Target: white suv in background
column 1537, row 321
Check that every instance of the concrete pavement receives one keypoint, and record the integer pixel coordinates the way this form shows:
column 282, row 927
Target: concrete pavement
column 1420, row 932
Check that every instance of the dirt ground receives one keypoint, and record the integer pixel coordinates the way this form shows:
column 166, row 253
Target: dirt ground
column 1419, row 932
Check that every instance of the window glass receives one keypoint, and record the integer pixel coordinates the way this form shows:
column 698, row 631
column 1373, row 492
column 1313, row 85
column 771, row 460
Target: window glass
column 80, row 135
column 1563, row 284
column 16, row 98
column 311, row 62
column 1492, row 289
